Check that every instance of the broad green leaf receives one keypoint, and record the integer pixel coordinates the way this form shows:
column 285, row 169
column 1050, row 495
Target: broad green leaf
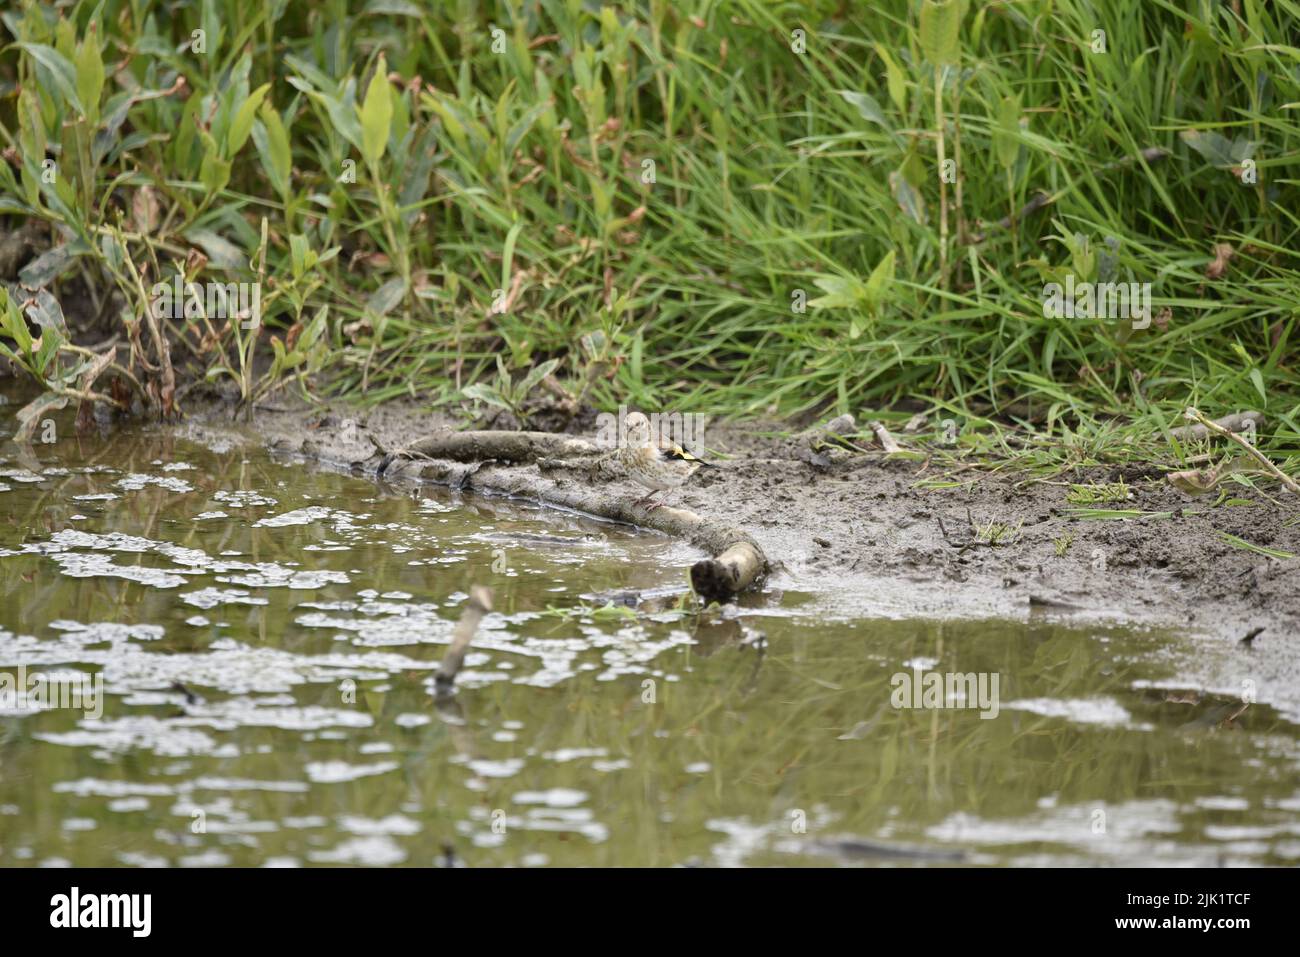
column 214, row 172
column 908, row 197
column 417, row 171
column 841, row 291
column 14, row 326
column 272, row 142
column 522, row 126
column 502, row 112
column 51, row 264
column 111, row 250
column 386, row 297
column 376, row 114
column 484, row 393
column 451, row 119
column 1257, row 379
column 536, row 375
column 183, row 143
column 343, row 114
column 278, row 363
column 60, row 68
column 977, row 28
column 867, row 106
column 31, row 137
column 879, row 280
column 242, row 124
column 31, row 125
column 65, row 38
column 1083, row 257
column 51, row 339
column 940, row 20
column 894, row 78
column 311, row 72
column 544, row 95
column 1218, row 150
column 301, row 255
column 232, row 92
column 601, row 197
column 1215, row 148
column 90, row 75
column 211, row 20
column 46, row 312
column 221, row 252
column 401, row 124
column 1006, row 135
column 314, row 330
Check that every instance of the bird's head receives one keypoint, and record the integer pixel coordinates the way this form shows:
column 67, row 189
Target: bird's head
column 638, row 428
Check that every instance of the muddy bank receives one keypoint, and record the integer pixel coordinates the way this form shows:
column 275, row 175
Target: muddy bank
column 908, row 549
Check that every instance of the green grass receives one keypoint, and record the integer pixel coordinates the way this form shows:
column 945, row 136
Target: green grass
column 994, row 532
column 680, row 208
column 1241, row 543
column 1093, row 493
column 1113, row 514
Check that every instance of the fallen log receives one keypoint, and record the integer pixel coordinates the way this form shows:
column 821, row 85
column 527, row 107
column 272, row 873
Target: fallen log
column 482, row 446
column 576, row 474
column 1236, row 422
column 718, row 579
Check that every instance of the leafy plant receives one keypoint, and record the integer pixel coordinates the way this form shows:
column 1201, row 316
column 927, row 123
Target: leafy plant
column 509, row 393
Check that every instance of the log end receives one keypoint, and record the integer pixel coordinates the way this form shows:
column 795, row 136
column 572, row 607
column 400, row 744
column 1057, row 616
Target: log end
column 721, row 579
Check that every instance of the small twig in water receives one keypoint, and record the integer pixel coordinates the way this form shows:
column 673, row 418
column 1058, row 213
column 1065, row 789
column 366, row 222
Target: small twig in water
column 480, row 603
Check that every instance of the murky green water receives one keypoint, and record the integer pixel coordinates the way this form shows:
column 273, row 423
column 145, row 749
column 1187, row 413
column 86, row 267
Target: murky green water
column 267, row 632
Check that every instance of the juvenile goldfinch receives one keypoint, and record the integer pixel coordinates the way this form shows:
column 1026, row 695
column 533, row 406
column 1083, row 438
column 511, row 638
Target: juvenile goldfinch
column 656, row 463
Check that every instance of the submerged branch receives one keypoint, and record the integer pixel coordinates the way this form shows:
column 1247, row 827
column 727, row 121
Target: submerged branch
column 576, row 474
column 480, row 603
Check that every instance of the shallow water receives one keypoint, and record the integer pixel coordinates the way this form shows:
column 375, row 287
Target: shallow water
column 267, row 632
